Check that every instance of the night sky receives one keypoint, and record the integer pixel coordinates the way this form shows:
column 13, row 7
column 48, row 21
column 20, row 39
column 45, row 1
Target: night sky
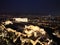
column 31, row 6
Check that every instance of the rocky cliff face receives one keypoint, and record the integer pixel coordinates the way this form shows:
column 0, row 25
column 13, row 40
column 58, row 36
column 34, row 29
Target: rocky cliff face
column 30, row 35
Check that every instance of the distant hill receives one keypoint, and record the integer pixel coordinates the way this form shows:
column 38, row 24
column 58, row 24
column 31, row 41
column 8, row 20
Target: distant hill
column 17, row 14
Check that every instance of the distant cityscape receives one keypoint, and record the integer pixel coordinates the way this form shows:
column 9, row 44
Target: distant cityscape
column 30, row 28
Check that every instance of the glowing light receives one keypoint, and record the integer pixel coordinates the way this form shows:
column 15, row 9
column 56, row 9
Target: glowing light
column 33, row 29
column 21, row 19
column 8, row 22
